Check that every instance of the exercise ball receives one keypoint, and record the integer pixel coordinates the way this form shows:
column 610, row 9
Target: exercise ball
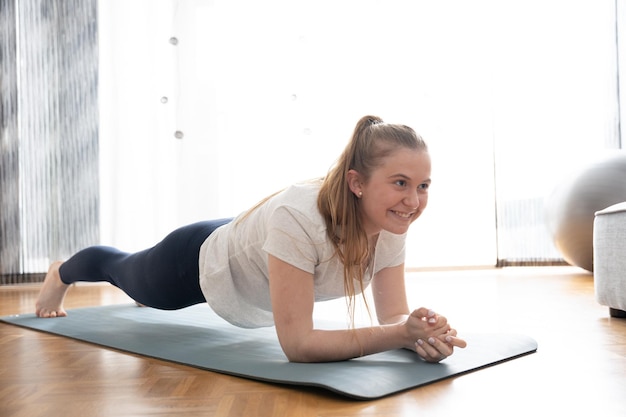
column 570, row 208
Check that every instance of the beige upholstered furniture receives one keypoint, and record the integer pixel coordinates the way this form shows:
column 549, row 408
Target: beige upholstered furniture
column 609, row 252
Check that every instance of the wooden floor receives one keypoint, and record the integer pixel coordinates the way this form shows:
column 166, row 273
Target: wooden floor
column 579, row 369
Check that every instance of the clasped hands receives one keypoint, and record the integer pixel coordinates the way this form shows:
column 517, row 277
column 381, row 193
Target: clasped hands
column 433, row 337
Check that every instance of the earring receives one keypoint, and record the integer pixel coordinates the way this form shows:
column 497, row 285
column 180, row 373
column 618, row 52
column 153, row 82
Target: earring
column 360, row 194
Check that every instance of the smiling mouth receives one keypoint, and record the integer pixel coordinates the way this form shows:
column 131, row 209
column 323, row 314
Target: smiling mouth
column 403, row 215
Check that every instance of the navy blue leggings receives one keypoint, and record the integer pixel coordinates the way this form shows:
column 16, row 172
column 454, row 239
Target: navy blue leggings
column 165, row 276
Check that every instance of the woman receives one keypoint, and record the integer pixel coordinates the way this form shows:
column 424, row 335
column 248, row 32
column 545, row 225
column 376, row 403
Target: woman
column 310, row 242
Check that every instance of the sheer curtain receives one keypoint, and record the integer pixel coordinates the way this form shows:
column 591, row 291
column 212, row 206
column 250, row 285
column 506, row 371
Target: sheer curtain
column 208, row 106
column 48, row 133
column 555, row 108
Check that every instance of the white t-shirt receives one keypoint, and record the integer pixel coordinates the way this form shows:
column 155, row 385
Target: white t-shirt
column 233, row 259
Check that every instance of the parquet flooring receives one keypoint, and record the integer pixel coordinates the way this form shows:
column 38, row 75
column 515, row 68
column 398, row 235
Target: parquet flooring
column 579, row 369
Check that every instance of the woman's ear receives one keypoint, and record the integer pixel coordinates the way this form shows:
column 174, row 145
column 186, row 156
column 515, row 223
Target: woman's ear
column 355, row 182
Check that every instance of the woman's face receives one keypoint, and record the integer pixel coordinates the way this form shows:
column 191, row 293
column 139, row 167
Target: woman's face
column 396, row 193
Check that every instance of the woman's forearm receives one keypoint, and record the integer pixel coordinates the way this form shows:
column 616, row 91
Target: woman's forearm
column 338, row 345
column 425, row 332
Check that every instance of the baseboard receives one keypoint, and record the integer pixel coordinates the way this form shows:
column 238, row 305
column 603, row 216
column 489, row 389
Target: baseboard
column 12, row 279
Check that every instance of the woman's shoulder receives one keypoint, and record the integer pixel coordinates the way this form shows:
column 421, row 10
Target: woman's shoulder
column 299, row 196
column 295, row 230
column 297, row 206
column 311, row 187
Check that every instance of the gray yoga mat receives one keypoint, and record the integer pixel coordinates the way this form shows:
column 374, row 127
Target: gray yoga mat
column 197, row 337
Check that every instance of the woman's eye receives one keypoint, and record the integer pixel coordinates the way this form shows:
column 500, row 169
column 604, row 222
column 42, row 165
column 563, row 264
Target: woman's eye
column 401, row 183
column 424, row 186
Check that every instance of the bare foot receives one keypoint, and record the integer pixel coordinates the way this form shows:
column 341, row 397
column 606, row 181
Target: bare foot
column 50, row 301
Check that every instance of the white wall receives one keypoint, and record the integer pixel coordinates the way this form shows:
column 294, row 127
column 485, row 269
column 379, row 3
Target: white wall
column 267, row 93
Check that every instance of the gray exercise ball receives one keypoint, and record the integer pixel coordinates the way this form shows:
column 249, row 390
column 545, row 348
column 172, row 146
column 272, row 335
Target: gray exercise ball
column 570, row 209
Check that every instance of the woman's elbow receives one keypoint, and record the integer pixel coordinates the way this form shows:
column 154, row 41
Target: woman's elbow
column 298, row 354
column 299, row 350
